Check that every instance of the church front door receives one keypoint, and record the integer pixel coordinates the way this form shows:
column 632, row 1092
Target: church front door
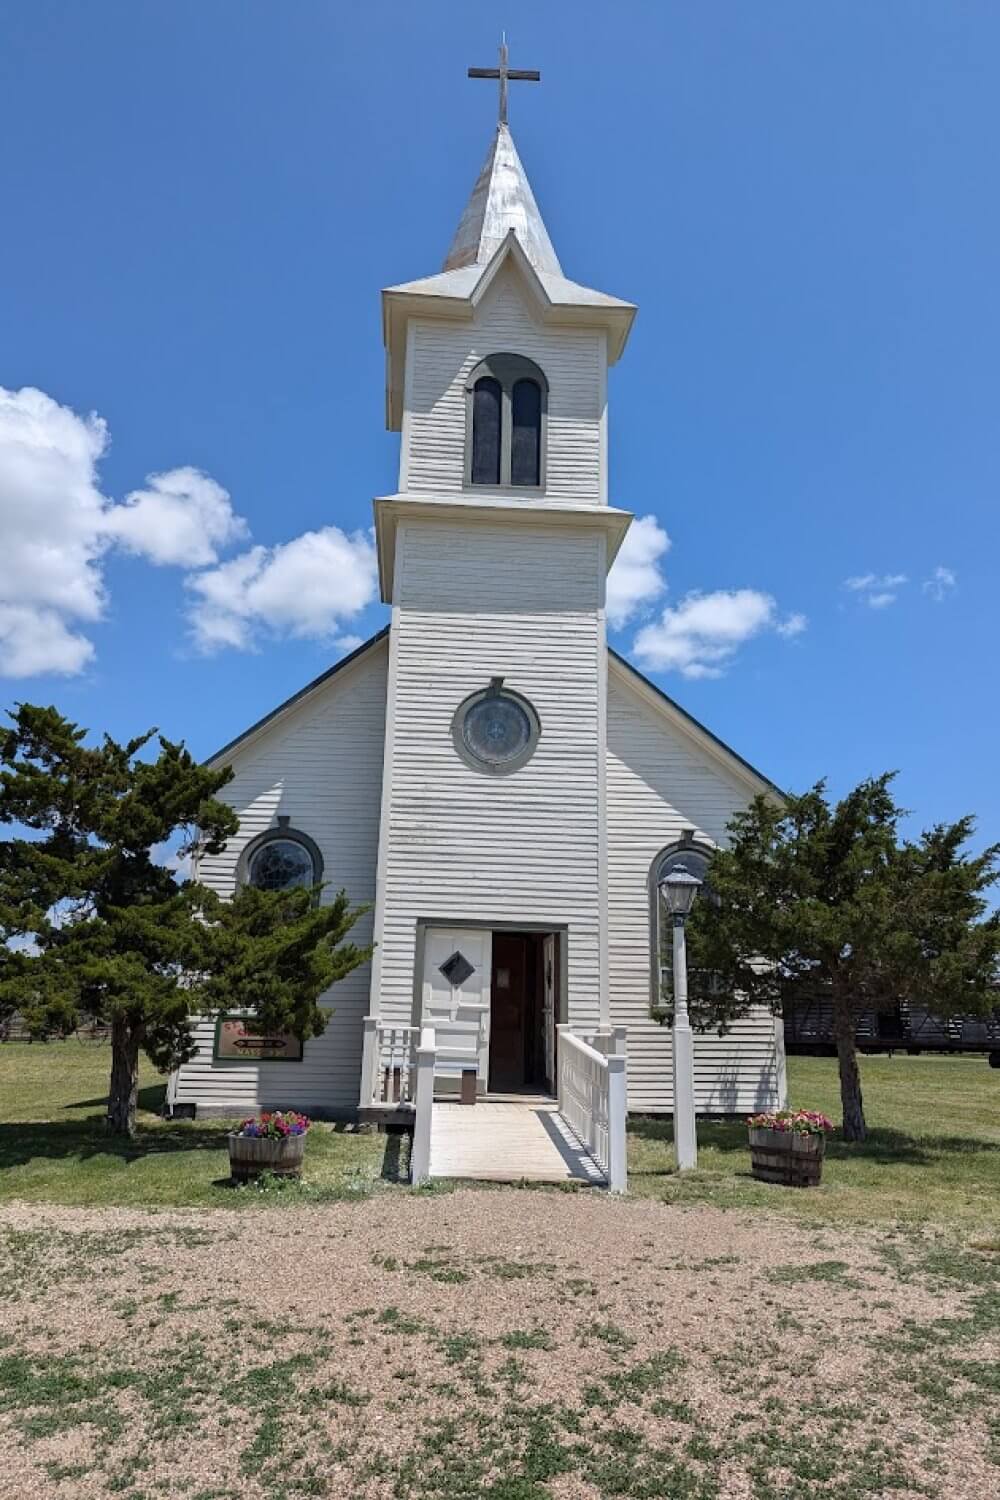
column 522, row 1015
column 492, row 999
column 455, row 1000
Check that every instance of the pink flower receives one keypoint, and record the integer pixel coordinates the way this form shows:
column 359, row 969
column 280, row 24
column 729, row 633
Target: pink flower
column 800, row 1121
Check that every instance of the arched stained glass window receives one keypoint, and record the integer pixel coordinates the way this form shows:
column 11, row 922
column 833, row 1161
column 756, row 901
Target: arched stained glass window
column 280, row 859
column 280, row 864
column 506, row 423
column 486, row 423
column 526, row 432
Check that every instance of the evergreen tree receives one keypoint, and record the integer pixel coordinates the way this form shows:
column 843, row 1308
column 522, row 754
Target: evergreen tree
column 94, row 928
column 275, row 953
column 110, row 934
column 814, row 900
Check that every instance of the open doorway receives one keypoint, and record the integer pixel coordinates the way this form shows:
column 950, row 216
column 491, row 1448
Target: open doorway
column 524, row 1008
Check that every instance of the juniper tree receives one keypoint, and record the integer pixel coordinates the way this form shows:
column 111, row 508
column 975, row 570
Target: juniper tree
column 111, row 935
column 94, row 927
column 276, row 953
column 819, row 899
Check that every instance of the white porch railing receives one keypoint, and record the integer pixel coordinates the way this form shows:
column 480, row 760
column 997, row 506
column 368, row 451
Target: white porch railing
column 591, row 1094
column 388, row 1064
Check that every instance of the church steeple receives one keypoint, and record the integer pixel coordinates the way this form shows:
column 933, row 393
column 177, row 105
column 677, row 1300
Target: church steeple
column 500, row 240
column 501, row 201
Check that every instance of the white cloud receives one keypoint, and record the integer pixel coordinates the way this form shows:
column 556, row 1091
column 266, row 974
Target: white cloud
column 700, row 636
column 170, row 857
column 635, row 578
column 56, row 527
column 877, row 589
column 51, row 514
column 304, row 588
column 181, row 519
column 940, row 583
column 35, row 639
column 792, row 626
column 875, row 580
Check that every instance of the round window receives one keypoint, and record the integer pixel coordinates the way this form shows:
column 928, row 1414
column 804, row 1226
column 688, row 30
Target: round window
column 281, row 864
column 496, row 730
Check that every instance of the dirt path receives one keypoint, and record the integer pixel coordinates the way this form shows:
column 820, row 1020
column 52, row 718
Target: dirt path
column 511, row 1344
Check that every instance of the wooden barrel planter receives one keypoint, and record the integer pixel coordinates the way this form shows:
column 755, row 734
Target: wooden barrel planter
column 250, row 1155
column 786, row 1156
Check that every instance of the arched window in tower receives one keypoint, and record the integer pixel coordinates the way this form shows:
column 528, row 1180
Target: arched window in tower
column 506, row 418
column 526, row 432
column 487, row 397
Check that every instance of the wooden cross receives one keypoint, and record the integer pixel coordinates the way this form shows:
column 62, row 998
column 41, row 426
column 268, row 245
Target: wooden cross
column 504, row 74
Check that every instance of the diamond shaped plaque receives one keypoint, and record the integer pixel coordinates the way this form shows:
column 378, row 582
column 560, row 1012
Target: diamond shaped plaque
column 457, row 968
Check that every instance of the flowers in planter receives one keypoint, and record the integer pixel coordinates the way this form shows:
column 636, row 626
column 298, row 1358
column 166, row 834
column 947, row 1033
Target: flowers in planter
column 274, row 1125
column 797, row 1121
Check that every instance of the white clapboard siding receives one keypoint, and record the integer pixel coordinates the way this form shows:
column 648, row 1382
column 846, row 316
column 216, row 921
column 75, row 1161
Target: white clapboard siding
column 522, row 602
column 441, row 356
column 659, row 784
column 321, row 764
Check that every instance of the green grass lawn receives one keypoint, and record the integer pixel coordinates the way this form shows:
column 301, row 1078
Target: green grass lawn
column 54, row 1148
column 933, row 1153
column 933, row 1150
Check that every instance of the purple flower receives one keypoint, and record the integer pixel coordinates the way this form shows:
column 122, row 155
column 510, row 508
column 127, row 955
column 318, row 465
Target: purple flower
column 276, row 1126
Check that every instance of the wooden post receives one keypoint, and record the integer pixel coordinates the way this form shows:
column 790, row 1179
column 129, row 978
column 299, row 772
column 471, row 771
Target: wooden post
column 369, row 1062
column 617, row 1119
column 560, row 1032
column 420, row 1151
column 617, row 1044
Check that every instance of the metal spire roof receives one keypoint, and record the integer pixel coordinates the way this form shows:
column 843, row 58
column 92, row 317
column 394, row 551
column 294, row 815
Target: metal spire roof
column 501, row 201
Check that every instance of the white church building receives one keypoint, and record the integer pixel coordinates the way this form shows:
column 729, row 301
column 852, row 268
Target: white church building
column 499, row 786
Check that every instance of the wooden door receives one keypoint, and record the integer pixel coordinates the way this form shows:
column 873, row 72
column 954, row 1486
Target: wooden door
column 549, row 1009
column 456, row 997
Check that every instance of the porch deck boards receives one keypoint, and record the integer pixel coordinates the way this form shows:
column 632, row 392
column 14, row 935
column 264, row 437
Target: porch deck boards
column 508, row 1142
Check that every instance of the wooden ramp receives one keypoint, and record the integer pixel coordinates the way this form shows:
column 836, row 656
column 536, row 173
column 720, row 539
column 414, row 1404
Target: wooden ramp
column 508, row 1142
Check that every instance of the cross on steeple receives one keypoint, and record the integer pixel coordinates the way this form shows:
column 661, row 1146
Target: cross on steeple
column 504, row 74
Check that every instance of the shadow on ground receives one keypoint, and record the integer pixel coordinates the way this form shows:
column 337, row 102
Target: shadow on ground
column 882, row 1146
column 150, row 1099
column 20, row 1144
column 84, row 1140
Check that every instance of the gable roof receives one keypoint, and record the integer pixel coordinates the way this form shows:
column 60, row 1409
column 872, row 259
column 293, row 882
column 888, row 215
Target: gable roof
column 467, row 284
column 456, row 294
column 656, row 697
column 303, row 692
column 693, row 728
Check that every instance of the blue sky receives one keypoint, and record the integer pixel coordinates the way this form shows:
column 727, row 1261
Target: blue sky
column 202, row 202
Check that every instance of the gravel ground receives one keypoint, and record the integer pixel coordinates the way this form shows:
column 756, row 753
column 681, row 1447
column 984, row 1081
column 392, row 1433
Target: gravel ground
column 514, row 1344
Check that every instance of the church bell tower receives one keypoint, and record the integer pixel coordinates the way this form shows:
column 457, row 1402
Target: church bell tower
column 493, row 555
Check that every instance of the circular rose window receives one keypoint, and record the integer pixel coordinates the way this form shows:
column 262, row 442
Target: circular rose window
column 496, row 730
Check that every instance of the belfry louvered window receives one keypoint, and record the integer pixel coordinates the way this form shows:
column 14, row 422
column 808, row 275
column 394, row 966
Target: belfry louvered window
column 507, row 410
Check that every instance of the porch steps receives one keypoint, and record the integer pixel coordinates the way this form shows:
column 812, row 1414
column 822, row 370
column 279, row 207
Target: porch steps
column 494, row 1141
